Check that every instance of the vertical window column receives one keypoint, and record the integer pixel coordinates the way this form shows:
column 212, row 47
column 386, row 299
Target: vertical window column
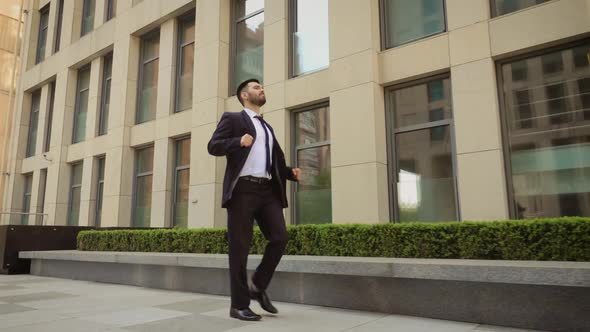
column 26, row 207
column 421, row 150
column 87, row 17
column 310, row 42
column 142, row 193
column 42, row 35
column 248, row 45
column 33, row 123
column 105, row 96
column 181, row 182
column 75, row 194
column 313, row 192
column 147, row 95
column 185, row 63
column 58, row 26
column 81, row 106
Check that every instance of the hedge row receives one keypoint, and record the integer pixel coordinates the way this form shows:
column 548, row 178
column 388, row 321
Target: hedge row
column 561, row 239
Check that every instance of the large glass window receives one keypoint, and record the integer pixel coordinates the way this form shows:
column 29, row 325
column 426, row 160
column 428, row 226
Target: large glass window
column 33, row 123
column 420, row 134
column 186, row 54
column 105, row 99
column 313, row 192
column 249, row 40
column 501, row 7
column 87, row 17
column 111, row 9
column 181, row 182
column 310, row 38
column 40, row 219
column 81, row 110
column 409, row 20
column 42, row 41
column 75, row 194
column 24, row 220
column 547, row 133
column 49, row 123
column 99, row 191
column 148, row 77
column 60, row 15
column 142, row 209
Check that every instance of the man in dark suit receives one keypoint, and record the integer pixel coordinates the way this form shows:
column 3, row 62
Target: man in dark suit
column 254, row 187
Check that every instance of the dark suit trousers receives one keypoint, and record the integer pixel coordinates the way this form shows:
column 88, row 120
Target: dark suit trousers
column 251, row 201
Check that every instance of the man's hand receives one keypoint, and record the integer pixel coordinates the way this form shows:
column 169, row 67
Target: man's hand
column 296, row 173
column 246, row 140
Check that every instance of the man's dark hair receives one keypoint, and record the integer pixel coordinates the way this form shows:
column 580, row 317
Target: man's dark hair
column 242, row 86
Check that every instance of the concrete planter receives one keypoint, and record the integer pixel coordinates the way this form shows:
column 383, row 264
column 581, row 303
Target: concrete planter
column 552, row 296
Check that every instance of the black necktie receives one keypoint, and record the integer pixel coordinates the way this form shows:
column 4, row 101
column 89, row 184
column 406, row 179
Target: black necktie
column 266, row 145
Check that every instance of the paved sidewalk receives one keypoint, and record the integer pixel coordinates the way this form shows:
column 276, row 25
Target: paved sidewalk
column 32, row 303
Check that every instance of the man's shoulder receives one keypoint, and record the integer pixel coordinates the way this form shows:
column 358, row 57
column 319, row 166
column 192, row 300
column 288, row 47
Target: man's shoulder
column 231, row 115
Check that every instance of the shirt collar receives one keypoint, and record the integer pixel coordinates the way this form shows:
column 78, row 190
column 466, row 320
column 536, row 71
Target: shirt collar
column 250, row 112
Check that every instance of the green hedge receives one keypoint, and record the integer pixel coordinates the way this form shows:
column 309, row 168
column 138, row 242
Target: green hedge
column 562, row 239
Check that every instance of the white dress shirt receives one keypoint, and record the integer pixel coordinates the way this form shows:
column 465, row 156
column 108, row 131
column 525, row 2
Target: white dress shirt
column 256, row 163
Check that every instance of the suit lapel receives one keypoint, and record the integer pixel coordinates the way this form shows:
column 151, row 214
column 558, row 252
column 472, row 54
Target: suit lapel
column 248, row 123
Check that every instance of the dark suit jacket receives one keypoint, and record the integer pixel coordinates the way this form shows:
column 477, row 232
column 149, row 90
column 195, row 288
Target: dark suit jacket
column 226, row 142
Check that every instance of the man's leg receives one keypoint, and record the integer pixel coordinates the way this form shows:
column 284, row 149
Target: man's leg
column 240, row 215
column 272, row 224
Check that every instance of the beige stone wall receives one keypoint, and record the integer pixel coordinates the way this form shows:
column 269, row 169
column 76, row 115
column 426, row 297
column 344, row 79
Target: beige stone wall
column 354, row 84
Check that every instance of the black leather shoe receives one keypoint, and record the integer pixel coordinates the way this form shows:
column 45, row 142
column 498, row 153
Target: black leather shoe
column 244, row 314
column 264, row 300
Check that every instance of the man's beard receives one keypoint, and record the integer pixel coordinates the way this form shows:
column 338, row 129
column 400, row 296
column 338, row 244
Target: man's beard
column 258, row 100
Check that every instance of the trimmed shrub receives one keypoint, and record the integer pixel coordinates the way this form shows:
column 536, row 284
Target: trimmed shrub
column 559, row 239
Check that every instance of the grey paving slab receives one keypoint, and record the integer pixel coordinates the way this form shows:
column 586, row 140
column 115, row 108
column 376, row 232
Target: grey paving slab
column 63, row 325
column 10, row 287
column 198, row 306
column 27, row 317
column 34, row 297
column 489, row 328
column 397, row 323
column 190, row 323
column 8, row 308
column 134, row 316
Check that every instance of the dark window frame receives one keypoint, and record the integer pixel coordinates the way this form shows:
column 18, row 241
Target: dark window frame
column 57, row 37
column 506, row 150
column 383, row 27
column 77, row 102
column 295, row 149
column 182, row 22
column 110, row 10
column 25, row 220
column 494, row 12
column 106, row 82
column 391, row 133
column 292, row 17
column 176, row 169
column 49, row 122
column 31, row 148
column 100, row 165
column 71, row 192
column 85, row 5
column 142, row 62
column 43, row 12
column 136, row 175
column 234, row 42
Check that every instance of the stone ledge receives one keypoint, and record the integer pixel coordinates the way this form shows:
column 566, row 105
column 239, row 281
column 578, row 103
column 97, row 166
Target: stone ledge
column 570, row 274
